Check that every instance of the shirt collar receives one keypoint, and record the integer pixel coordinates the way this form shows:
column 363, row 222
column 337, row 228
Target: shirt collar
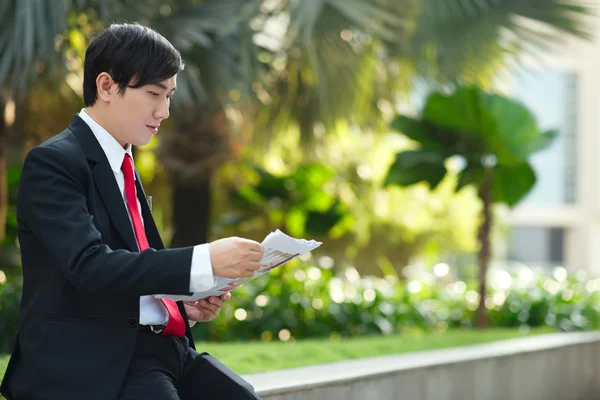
column 113, row 150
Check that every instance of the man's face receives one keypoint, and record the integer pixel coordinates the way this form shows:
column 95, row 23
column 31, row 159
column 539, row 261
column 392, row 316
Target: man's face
column 137, row 113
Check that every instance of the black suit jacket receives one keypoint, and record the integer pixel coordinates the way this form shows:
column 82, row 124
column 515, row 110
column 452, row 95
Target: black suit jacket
column 83, row 275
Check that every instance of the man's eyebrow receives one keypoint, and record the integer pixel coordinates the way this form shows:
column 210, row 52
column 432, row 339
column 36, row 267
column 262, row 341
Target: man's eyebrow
column 160, row 85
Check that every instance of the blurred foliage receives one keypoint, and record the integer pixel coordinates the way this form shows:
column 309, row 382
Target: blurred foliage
column 13, row 176
column 10, row 270
column 469, row 41
column 301, row 300
column 10, row 302
column 334, row 63
column 308, row 298
column 338, row 198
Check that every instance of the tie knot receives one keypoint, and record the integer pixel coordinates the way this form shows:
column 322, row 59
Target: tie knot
column 127, row 166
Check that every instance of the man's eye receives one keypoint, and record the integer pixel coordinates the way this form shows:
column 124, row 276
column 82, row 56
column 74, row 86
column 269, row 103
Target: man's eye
column 153, row 93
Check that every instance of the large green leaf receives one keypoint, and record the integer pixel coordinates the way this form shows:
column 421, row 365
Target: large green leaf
column 246, row 197
column 320, row 223
column 489, row 124
column 274, row 187
column 308, row 177
column 416, row 130
column 461, row 110
column 415, row 166
column 308, row 181
column 517, row 131
column 512, row 183
column 542, row 141
column 482, row 127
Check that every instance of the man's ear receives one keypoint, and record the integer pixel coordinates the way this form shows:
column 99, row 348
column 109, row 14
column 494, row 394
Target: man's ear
column 106, row 87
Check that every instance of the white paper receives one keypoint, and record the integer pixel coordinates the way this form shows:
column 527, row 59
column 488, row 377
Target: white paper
column 279, row 248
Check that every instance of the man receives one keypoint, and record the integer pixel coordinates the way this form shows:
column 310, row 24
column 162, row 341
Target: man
column 91, row 327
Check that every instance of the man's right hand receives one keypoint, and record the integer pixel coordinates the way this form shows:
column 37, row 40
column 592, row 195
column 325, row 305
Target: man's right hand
column 235, row 257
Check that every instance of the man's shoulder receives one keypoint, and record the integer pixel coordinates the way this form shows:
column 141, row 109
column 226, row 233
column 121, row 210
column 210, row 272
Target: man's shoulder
column 65, row 141
column 61, row 148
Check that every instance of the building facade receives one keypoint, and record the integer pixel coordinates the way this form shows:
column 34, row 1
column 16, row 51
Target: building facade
column 558, row 223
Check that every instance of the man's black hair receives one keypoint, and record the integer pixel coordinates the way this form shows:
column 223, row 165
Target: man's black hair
column 133, row 55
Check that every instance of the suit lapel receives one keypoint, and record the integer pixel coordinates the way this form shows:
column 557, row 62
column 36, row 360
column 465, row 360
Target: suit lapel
column 105, row 182
column 152, row 234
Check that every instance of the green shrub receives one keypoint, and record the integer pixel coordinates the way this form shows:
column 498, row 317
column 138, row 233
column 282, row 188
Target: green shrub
column 300, row 301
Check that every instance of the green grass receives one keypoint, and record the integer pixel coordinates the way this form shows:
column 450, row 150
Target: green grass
column 245, row 358
column 3, row 364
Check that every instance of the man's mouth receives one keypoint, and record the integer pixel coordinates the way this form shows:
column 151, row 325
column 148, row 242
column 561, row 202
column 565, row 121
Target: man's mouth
column 153, row 128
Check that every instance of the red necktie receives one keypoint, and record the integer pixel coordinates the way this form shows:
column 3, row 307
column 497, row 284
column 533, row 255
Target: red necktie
column 175, row 325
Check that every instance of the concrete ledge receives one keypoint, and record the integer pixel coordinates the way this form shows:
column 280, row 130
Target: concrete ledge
column 560, row 366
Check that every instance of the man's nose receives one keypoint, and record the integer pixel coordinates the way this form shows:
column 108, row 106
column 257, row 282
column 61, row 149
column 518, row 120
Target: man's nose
column 162, row 112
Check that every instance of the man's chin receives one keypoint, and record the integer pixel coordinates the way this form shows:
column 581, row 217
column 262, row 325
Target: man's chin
column 143, row 141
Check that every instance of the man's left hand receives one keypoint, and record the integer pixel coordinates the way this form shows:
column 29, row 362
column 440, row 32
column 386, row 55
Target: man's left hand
column 206, row 309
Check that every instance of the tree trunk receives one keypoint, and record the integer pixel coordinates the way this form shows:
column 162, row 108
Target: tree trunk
column 191, row 212
column 485, row 194
column 192, row 153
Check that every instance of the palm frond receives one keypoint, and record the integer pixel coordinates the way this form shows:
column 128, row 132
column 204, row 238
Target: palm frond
column 454, row 36
column 216, row 42
column 330, row 57
column 30, row 36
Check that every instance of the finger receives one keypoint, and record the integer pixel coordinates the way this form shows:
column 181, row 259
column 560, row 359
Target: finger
column 226, row 296
column 253, row 265
column 205, row 306
column 205, row 316
column 207, row 312
column 215, row 300
column 254, row 257
column 210, row 302
column 255, row 247
column 211, row 313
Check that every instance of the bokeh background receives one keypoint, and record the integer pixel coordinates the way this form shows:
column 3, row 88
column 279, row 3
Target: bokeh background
column 444, row 151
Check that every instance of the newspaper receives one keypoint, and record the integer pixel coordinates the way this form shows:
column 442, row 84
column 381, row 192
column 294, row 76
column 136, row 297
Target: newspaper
column 279, row 248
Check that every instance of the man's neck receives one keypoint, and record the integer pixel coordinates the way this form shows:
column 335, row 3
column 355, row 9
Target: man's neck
column 98, row 116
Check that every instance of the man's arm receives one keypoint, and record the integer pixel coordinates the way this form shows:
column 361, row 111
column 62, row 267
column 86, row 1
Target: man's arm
column 52, row 202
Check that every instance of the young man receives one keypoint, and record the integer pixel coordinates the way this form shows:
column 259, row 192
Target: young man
column 93, row 260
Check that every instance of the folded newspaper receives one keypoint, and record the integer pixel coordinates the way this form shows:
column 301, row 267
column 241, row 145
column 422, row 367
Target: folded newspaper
column 279, row 248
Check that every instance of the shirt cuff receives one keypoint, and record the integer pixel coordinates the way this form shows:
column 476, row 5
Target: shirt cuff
column 192, row 323
column 201, row 274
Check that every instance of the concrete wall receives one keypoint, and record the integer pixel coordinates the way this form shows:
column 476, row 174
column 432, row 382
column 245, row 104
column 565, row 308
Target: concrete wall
column 549, row 367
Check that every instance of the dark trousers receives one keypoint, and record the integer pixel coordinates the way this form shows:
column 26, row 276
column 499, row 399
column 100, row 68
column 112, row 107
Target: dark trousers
column 167, row 368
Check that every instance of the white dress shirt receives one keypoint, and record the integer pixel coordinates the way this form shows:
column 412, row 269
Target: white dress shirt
column 152, row 311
